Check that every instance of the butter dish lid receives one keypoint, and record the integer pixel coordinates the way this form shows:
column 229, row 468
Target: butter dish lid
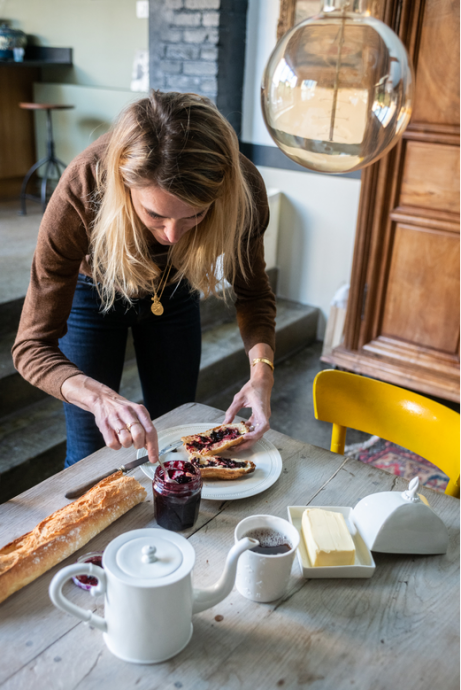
column 400, row 522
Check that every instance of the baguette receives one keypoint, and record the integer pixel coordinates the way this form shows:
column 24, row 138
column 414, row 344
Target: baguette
column 215, row 467
column 216, row 440
column 65, row 531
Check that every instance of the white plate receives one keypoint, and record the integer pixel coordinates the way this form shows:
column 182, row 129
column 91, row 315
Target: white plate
column 364, row 565
column 264, row 454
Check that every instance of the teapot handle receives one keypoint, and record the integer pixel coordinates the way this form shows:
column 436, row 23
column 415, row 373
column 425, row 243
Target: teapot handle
column 61, row 602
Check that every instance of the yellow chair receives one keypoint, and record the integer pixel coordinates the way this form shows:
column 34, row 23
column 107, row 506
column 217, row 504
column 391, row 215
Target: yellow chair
column 410, row 420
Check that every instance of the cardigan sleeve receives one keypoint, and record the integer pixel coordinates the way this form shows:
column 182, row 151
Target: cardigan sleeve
column 62, row 245
column 255, row 301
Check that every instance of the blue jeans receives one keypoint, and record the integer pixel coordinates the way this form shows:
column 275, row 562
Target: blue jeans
column 167, row 348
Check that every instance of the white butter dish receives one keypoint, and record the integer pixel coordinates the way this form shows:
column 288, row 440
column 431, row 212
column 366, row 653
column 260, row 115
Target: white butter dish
column 364, row 565
column 394, row 522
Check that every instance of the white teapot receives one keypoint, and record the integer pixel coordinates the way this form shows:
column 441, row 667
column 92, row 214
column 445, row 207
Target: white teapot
column 149, row 599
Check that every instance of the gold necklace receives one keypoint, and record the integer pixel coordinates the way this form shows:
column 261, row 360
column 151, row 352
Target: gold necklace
column 157, row 307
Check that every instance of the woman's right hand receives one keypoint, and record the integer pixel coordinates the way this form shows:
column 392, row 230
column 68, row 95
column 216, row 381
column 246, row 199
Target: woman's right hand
column 121, row 422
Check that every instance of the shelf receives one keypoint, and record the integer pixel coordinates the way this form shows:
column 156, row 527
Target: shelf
column 42, row 56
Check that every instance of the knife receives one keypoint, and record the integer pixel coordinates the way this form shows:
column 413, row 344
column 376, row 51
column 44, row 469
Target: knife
column 80, row 490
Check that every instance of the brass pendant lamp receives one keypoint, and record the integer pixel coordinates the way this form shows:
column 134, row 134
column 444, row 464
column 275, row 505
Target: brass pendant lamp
column 337, row 90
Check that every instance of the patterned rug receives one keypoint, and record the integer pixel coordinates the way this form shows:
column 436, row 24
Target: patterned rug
column 397, row 460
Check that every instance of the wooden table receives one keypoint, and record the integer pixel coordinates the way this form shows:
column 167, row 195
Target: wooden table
column 397, row 630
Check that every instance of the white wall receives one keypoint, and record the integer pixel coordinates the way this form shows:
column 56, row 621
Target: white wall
column 318, row 212
column 261, row 38
column 74, row 130
column 104, row 34
column 315, row 236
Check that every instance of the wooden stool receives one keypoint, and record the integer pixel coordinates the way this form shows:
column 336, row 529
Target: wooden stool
column 50, row 159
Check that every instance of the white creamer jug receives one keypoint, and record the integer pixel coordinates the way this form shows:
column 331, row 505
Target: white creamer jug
column 146, row 580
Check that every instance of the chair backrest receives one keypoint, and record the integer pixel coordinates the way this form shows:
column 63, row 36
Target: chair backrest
column 410, row 420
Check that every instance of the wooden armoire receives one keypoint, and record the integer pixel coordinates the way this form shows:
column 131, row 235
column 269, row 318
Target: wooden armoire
column 402, row 322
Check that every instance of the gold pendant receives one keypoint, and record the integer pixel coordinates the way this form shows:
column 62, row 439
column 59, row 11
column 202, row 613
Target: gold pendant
column 156, row 307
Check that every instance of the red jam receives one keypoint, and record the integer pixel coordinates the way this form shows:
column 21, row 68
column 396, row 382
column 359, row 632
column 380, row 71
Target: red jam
column 88, row 581
column 177, row 502
column 216, row 436
column 217, row 461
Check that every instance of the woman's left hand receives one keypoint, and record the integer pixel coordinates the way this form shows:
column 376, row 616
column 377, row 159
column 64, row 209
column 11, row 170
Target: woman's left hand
column 256, row 393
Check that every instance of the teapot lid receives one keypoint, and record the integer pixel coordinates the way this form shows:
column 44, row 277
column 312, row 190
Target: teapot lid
column 149, row 557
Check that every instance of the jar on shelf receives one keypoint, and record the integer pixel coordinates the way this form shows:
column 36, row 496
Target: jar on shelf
column 10, row 39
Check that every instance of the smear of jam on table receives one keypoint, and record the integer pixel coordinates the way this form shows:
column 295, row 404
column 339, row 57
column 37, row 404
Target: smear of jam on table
column 89, row 579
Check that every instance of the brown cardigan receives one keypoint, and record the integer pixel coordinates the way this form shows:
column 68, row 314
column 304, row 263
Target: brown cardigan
column 62, row 253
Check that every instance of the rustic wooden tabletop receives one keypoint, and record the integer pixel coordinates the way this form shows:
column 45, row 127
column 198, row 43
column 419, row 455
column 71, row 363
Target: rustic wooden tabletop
column 399, row 629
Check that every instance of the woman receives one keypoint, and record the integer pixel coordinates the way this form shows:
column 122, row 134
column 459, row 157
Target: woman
column 132, row 234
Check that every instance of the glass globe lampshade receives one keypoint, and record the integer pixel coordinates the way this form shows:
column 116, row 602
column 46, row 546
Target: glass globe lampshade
column 337, row 90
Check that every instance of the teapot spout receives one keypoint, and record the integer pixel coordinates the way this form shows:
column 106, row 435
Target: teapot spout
column 206, row 598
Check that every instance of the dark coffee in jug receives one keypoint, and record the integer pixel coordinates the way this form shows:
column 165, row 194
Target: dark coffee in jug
column 271, row 542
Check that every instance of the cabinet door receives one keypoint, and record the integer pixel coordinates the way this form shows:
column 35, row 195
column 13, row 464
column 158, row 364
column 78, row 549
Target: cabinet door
column 17, row 139
column 402, row 323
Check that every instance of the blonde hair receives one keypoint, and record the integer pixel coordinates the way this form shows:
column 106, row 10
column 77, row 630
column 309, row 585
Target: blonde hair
column 182, row 144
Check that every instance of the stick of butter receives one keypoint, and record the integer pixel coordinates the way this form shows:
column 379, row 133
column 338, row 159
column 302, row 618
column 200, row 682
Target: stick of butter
column 327, row 539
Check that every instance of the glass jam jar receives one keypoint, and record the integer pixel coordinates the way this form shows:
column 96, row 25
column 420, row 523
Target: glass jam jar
column 177, row 501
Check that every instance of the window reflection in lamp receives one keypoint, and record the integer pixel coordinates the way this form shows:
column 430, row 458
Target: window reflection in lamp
column 337, row 90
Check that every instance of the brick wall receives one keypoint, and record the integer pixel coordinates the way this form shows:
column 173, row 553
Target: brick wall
column 199, row 46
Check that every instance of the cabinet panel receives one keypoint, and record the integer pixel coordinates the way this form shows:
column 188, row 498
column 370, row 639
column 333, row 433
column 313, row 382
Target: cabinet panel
column 422, row 298
column 437, row 67
column 402, row 322
column 17, row 142
column 431, row 177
